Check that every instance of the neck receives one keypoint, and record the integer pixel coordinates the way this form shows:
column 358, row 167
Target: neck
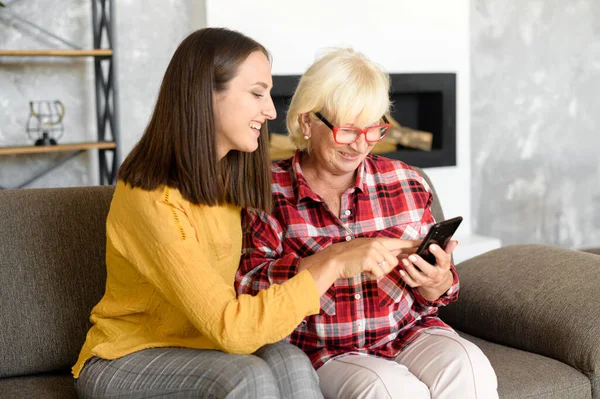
column 322, row 180
column 222, row 149
column 221, row 154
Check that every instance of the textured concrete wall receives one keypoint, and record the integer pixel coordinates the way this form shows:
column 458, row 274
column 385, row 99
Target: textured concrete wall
column 146, row 37
column 536, row 121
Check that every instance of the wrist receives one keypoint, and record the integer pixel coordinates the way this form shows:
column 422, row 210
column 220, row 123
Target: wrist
column 324, row 273
column 448, row 282
column 435, row 292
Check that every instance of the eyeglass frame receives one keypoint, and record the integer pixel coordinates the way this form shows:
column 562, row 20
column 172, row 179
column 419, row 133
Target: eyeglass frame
column 335, row 129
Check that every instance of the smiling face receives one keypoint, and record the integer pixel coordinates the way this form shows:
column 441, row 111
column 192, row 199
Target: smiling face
column 244, row 106
column 341, row 160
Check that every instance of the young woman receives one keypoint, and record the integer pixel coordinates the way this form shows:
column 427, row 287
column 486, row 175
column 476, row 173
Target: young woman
column 170, row 323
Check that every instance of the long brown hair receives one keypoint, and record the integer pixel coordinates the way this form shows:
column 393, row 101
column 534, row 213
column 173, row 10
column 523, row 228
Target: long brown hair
column 178, row 148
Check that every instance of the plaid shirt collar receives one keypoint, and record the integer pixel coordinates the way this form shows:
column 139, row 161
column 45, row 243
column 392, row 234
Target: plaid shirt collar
column 303, row 190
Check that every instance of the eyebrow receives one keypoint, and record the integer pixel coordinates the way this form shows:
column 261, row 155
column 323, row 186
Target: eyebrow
column 263, row 84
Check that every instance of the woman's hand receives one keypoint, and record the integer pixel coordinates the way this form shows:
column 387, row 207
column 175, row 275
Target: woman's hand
column 376, row 256
column 431, row 280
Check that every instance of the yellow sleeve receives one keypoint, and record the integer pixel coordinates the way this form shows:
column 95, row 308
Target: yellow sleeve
column 160, row 241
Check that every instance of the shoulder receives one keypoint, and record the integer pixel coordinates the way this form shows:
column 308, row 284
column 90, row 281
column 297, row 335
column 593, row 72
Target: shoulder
column 282, row 183
column 282, row 188
column 146, row 205
column 164, row 215
column 382, row 170
column 136, row 196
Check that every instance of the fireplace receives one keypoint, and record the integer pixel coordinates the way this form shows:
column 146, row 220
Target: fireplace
column 421, row 101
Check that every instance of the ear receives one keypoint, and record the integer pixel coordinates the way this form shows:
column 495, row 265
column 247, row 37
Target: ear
column 305, row 124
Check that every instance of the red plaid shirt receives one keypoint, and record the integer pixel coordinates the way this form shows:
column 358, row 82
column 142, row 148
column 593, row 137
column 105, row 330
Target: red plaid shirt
column 357, row 315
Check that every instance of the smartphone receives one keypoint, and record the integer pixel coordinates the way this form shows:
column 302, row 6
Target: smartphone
column 440, row 234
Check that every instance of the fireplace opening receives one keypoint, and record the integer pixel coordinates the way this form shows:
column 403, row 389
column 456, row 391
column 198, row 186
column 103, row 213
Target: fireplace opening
column 423, row 104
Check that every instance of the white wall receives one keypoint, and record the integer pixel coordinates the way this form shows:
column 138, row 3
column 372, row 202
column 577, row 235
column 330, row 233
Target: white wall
column 403, row 36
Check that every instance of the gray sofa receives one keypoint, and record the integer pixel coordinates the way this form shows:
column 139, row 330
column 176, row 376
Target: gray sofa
column 533, row 309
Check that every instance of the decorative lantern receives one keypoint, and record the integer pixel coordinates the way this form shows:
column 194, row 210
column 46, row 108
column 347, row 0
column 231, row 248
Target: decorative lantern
column 44, row 125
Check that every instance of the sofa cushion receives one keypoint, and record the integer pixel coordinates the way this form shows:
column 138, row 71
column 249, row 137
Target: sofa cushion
column 536, row 298
column 39, row 386
column 52, row 271
column 436, row 206
column 528, row 375
column 593, row 250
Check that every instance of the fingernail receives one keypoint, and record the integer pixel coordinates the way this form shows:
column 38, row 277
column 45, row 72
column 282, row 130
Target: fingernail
column 434, row 247
column 402, row 273
column 412, row 258
column 404, row 262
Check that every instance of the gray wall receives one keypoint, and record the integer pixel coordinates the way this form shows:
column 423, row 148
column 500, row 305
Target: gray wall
column 146, row 37
column 536, row 121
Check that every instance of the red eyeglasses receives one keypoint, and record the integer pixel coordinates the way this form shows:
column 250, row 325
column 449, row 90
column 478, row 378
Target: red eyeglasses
column 348, row 135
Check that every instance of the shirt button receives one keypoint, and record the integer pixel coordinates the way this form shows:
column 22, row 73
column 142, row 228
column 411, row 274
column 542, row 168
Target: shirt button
column 348, row 238
column 357, row 296
column 304, row 323
column 347, row 212
column 359, row 323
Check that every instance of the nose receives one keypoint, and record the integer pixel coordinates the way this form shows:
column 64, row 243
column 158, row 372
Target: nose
column 269, row 110
column 361, row 144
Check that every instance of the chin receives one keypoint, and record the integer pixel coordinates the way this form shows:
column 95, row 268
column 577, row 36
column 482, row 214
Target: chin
column 351, row 169
column 249, row 147
column 348, row 164
column 347, row 167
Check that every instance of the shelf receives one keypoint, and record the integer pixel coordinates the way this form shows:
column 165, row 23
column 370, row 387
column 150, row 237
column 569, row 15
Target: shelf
column 32, row 149
column 57, row 53
column 105, row 83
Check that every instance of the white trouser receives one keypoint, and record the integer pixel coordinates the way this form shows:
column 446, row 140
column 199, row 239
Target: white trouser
column 439, row 364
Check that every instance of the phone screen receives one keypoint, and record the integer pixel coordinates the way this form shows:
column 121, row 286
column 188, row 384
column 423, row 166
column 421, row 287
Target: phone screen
column 440, row 234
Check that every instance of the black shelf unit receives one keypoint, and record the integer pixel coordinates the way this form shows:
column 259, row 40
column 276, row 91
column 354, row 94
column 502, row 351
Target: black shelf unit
column 107, row 107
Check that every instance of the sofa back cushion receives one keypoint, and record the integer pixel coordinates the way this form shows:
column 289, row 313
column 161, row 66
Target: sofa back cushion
column 436, row 206
column 52, row 272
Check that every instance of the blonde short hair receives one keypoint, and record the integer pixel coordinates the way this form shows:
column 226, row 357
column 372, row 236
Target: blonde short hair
column 342, row 85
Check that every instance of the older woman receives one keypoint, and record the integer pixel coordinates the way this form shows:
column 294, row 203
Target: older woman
column 375, row 338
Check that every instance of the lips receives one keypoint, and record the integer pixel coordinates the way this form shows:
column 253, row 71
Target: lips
column 348, row 156
column 255, row 126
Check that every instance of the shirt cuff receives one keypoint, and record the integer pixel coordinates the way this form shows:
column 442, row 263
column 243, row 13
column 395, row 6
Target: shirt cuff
column 283, row 269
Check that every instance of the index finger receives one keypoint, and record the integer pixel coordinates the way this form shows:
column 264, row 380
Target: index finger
column 405, row 251
column 392, row 244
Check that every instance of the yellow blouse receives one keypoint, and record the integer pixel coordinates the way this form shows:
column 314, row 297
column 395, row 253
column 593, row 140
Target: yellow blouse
column 170, row 272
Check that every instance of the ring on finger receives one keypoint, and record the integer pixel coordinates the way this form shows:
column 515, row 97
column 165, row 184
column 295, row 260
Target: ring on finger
column 383, row 262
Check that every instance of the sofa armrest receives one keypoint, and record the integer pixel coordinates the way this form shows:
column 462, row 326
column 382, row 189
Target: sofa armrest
column 536, row 298
column 592, row 250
